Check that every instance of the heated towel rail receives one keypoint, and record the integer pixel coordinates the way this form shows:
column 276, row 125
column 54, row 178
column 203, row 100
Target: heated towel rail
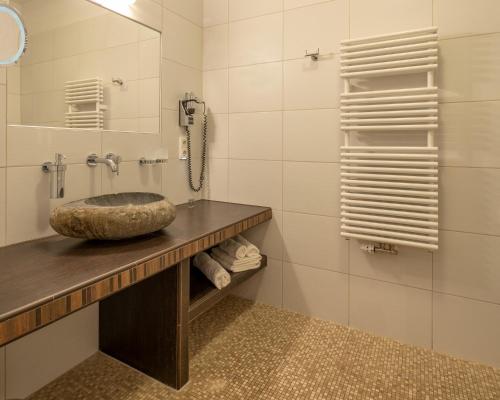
column 389, row 193
column 84, row 99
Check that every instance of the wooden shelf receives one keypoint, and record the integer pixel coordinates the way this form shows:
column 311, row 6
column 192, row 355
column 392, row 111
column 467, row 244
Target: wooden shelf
column 204, row 295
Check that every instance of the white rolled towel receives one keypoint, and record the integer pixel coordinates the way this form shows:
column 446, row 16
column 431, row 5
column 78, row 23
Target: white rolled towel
column 234, row 249
column 252, row 249
column 215, row 272
column 234, row 265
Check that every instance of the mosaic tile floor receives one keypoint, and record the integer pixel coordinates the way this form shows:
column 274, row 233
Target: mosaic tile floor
column 256, row 352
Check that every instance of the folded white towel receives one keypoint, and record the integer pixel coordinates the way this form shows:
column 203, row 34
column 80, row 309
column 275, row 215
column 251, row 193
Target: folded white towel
column 251, row 248
column 212, row 270
column 234, row 249
column 234, row 265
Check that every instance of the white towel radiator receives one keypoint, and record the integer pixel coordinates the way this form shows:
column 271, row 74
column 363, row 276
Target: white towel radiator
column 85, row 103
column 389, row 193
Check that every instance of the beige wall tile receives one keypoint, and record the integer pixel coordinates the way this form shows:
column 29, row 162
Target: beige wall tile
column 215, row 90
column 215, row 47
column 268, row 237
column 132, row 146
column 390, row 310
column 256, row 135
column 149, row 58
column 412, row 267
column 239, row 9
column 461, row 271
column 215, row 12
column 300, row 3
column 217, row 182
column 311, row 188
column 179, row 79
column 467, row 329
column 265, row 286
column 256, row 182
column 319, row 293
column 315, row 241
column 32, row 361
column 175, row 184
column 256, row 40
column 190, row 9
column 132, row 178
column 247, row 93
column 3, row 127
column 218, row 135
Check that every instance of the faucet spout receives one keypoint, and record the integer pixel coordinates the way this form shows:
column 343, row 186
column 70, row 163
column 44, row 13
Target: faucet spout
column 111, row 160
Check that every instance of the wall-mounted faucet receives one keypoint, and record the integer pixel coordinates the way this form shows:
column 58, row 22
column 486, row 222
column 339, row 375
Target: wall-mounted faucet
column 57, row 171
column 111, row 160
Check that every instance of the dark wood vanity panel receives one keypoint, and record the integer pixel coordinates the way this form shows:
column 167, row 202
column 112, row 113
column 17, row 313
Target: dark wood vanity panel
column 45, row 280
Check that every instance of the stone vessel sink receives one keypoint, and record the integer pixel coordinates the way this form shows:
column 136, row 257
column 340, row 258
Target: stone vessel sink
column 113, row 216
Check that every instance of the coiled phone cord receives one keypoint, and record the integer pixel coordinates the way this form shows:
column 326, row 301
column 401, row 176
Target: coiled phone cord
column 203, row 155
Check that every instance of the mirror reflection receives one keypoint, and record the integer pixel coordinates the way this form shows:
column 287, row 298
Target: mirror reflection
column 85, row 67
column 12, row 35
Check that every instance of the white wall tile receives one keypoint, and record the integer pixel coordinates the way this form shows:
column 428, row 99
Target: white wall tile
column 215, row 47
column 320, row 26
column 369, row 18
column 247, row 92
column 471, row 196
column 467, row 329
column 463, row 17
column 256, row 182
column 469, row 69
column 394, row 311
column 239, row 9
column 149, row 58
column 132, row 146
column 268, row 237
column 175, row 184
column 315, row 292
column 412, row 267
column 300, row 3
column 311, row 84
column 218, row 135
column 217, row 182
column 256, row 40
column 179, row 79
column 311, row 188
column 215, row 90
column 33, row 361
column 190, row 9
column 132, row 178
column 462, row 272
column 266, row 286
column 256, row 135
column 215, row 12
column 314, row 240
column 468, row 135
column 312, row 135
column 3, row 125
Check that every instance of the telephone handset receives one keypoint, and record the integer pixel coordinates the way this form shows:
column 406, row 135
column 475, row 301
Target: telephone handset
column 187, row 111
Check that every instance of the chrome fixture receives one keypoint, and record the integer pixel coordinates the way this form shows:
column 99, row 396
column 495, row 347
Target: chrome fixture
column 380, row 248
column 117, row 81
column 144, row 161
column 314, row 56
column 111, row 160
column 57, row 171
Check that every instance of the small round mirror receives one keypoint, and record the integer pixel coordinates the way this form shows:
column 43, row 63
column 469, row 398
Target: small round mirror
column 12, row 35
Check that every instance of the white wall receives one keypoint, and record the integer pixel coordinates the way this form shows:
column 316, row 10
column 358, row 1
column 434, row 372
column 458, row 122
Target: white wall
column 276, row 143
column 24, row 202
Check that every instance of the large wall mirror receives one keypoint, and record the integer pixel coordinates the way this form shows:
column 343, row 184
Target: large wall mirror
column 85, row 67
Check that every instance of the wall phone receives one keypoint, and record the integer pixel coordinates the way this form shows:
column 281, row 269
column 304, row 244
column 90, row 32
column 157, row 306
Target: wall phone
column 187, row 112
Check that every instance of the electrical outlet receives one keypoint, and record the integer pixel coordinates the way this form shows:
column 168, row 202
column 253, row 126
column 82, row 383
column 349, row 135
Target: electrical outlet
column 183, row 148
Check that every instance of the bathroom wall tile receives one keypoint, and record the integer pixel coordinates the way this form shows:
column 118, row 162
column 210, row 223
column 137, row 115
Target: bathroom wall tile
column 32, row 361
column 190, row 9
column 132, row 178
column 147, row 12
column 149, row 98
column 468, row 135
column 215, row 12
column 256, row 182
column 239, row 9
column 311, row 188
column 467, row 18
column 395, row 311
column 215, row 90
column 320, row 26
column 185, row 48
column 215, row 47
column 470, row 69
column 218, row 136
column 314, row 240
column 467, row 329
column 462, row 272
column 312, row 135
column 315, row 292
column 300, row 3
column 268, row 237
column 121, row 61
column 411, row 267
column 36, row 145
column 3, row 216
column 256, row 135
column 65, row 70
column 3, row 125
column 175, row 183
column 217, row 182
column 387, row 16
column 256, row 40
column 132, row 146
column 310, row 84
column 178, row 79
column 149, row 58
column 266, row 286
column 247, row 93
column 2, row 373
column 471, row 196
column 119, row 31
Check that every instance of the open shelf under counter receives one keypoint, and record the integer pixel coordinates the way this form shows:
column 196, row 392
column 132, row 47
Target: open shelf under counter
column 204, row 295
